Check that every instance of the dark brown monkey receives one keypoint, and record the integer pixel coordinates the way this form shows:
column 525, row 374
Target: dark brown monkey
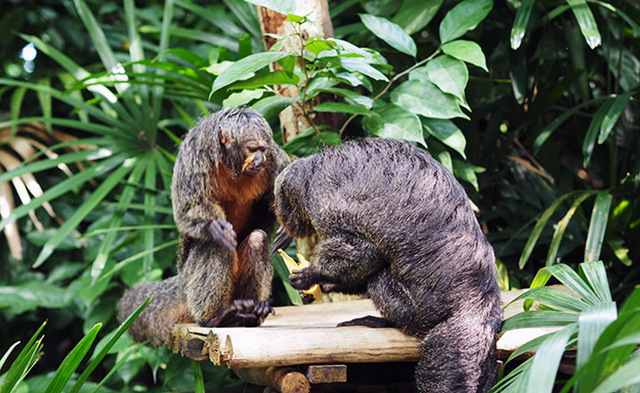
column 396, row 224
column 222, row 194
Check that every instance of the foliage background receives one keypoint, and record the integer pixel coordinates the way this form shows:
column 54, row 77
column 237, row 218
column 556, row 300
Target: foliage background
column 548, row 154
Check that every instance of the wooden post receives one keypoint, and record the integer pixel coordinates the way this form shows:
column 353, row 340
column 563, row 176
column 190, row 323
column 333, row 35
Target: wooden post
column 283, row 379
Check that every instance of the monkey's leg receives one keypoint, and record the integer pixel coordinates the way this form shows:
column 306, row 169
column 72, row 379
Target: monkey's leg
column 206, row 280
column 341, row 264
column 252, row 277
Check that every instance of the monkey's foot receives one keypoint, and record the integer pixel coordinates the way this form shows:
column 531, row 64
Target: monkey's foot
column 368, row 321
column 307, row 298
column 242, row 312
column 222, row 232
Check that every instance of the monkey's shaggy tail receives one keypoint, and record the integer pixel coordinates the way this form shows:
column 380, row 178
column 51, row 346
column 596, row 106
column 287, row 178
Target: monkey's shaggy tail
column 156, row 322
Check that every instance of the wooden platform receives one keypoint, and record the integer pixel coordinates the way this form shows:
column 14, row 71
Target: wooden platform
column 307, row 335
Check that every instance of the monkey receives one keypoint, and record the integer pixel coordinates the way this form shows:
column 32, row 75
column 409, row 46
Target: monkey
column 395, row 224
column 223, row 204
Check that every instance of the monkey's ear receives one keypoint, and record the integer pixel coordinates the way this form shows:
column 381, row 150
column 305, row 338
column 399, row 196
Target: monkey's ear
column 223, row 139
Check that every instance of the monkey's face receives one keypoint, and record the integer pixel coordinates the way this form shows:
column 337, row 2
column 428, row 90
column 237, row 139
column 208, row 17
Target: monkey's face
column 255, row 153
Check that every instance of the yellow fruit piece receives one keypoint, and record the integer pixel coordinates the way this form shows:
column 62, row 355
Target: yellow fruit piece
column 293, row 265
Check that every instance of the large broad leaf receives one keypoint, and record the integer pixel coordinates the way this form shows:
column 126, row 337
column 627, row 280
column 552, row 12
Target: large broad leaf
column 520, row 24
column 463, row 17
column 467, row 51
column 586, row 21
column 449, row 74
column 359, row 65
column 467, row 172
column 426, row 99
column 390, row 33
column 395, row 122
column 281, row 6
column 341, row 107
column 446, row 132
column 270, row 107
column 244, row 69
column 415, row 15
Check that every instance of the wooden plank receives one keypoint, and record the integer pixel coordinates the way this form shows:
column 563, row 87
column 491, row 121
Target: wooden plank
column 327, row 373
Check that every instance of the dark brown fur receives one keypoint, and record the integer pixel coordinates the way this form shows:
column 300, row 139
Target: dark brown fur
column 215, row 182
column 396, row 224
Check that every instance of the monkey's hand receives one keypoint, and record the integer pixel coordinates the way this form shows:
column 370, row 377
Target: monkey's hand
column 303, row 279
column 222, row 232
column 242, row 312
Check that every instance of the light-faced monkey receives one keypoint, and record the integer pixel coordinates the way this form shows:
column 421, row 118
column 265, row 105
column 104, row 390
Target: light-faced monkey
column 222, row 195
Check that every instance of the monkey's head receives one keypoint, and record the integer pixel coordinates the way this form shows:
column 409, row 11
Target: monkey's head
column 290, row 189
column 245, row 141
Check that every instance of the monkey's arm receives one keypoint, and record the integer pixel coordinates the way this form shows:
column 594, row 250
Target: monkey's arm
column 341, row 264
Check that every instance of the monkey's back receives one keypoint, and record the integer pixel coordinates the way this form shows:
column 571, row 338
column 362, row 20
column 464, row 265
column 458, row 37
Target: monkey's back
column 402, row 200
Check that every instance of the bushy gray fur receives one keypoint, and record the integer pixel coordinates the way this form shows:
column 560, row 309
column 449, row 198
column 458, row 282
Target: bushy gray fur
column 396, row 224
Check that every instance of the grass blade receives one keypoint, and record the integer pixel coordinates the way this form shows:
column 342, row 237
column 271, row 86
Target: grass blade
column 592, row 322
column 105, row 350
column 45, row 103
column 24, row 361
column 158, row 91
column 62, row 188
column 555, row 298
column 537, row 230
column 6, row 354
column 137, row 256
column 545, row 363
column 596, row 276
column 539, row 280
column 149, row 215
column 538, row 318
column 597, row 226
column 52, row 163
column 586, row 21
column 612, row 116
column 561, row 228
column 127, row 228
column 16, row 104
column 72, row 361
column 627, row 375
column 87, row 206
column 520, row 24
column 574, row 282
column 199, row 379
column 106, row 246
column 592, row 133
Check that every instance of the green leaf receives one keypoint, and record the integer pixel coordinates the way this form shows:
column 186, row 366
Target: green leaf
column 395, row 122
column 390, row 33
column 592, row 322
column 466, row 172
column 340, row 107
column 81, row 212
column 243, row 97
column 116, row 220
column 426, row 99
column 42, row 165
column 359, row 65
column 62, row 188
column 72, row 361
column 537, row 230
column 329, row 138
column 271, row 106
column 554, row 297
column 544, row 367
column 465, row 16
column 627, row 375
column 538, row 318
column 356, row 98
column 612, row 115
column 561, row 228
column 105, row 350
column 557, row 122
column 279, row 77
column 449, row 74
column 595, row 274
column 597, row 226
column 574, row 282
column 586, row 21
column 447, row 132
column 594, row 128
column 198, row 378
column 316, row 45
column 520, row 24
column 634, row 25
column 415, row 15
column 23, row 363
column 243, row 69
column 467, row 51
column 281, row 6
column 8, row 353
